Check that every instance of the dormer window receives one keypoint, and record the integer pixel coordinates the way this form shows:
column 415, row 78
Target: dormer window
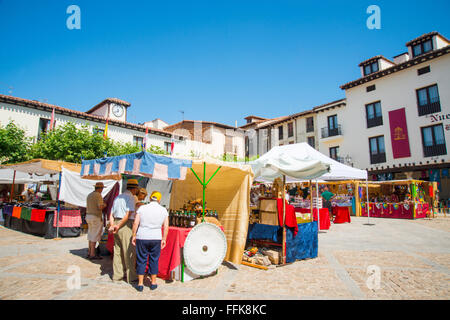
column 371, row 68
column 422, row 48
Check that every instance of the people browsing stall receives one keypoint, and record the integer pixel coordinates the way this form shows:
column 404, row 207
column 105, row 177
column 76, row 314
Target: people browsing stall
column 140, row 198
column 148, row 238
column 121, row 224
column 94, row 219
column 327, row 196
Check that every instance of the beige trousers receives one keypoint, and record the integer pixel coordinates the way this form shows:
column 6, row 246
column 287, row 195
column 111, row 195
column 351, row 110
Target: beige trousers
column 124, row 259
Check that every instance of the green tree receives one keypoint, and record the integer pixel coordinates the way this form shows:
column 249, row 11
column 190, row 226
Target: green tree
column 14, row 145
column 71, row 144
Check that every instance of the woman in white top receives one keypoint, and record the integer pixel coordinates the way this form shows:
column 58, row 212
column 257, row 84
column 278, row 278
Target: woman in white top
column 148, row 238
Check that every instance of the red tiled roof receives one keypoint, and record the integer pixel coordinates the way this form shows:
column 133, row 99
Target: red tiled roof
column 78, row 114
column 373, row 59
column 111, row 100
column 426, row 36
column 398, row 67
column 203, row 122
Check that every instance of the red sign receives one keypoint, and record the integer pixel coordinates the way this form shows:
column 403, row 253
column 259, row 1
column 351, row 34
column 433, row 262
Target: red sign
column 399, row 133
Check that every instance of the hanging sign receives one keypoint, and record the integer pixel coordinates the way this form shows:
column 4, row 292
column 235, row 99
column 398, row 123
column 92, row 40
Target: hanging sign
column 399, row 134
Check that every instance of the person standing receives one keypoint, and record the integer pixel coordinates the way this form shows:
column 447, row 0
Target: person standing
column 148, row 238
column 94, row 219
column 121, row 223
column 327, row 196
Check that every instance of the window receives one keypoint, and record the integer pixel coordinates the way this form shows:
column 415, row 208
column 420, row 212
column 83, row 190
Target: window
column 373, row 114
column 290, row 129
column 167, row 146
column 423, row 70
column 334, row 151
column 428, row 100
column 377, row 150
column 371, row 68
column 422, row 48
column 310, row 124
column 311, row 142
column 280, row 133
column 44, row 125
column 138, row 141
column 370, row 88
column 433, row 141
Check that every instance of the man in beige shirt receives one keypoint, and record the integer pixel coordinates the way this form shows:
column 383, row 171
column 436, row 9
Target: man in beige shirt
column 94, row 218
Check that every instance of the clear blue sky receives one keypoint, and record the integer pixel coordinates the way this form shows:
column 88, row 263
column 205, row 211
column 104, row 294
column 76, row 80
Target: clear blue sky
column 216, row 60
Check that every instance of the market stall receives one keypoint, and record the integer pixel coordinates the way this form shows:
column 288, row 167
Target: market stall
column 46, row 218
column 400, row 199
column 225, row 187
column 290, row 163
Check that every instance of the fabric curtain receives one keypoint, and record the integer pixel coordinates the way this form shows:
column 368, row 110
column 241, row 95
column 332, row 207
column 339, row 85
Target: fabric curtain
column 228, row 193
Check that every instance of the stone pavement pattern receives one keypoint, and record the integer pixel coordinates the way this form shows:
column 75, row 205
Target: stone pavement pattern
column 413, row 258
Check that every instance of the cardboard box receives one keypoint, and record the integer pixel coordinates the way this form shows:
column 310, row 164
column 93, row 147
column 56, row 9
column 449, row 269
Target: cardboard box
column 270, row 218
column 268, row 205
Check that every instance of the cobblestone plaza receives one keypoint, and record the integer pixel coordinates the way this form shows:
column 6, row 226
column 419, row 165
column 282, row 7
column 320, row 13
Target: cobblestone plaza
column 412, row 258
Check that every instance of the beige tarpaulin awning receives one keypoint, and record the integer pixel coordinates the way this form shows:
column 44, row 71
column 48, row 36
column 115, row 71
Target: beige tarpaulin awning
column 228, row 193
column 42, row 166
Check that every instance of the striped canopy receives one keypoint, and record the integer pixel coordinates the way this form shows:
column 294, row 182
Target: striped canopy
column 141, row 163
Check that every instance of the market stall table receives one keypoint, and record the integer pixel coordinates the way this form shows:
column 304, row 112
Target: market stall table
column 324, row 214
column 42, row 222
column 341, row 214
column 395, row 210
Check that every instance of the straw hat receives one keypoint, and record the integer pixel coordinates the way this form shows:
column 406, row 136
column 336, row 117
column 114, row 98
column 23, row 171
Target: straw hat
column 132, row 183
column 143, row 191
column 99, row 185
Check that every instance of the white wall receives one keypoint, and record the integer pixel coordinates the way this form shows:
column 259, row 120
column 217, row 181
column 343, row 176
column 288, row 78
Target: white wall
column 396, row 91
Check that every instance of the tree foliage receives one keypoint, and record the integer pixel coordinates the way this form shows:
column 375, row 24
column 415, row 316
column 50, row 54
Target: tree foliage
column 72, row 144
column 14, row 145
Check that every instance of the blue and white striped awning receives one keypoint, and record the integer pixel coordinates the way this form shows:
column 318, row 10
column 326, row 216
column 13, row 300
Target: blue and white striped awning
column 141, row 163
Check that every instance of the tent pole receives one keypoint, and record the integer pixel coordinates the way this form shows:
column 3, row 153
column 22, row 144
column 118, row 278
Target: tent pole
column 284, row 218
column 59, row 208
column 367, row 196
column 317, row 204
column 310, row 201
column 12, row 187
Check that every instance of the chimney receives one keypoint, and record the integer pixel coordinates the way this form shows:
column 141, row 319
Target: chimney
column 401, row 58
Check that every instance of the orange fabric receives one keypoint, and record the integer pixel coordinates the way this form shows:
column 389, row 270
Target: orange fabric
column 16, row 212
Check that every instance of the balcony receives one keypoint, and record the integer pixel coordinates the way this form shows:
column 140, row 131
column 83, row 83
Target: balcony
column 435, row 150
column 309, row 128
column 327, row 132
column 374, row 122
column 432, row 107
column 378, row 158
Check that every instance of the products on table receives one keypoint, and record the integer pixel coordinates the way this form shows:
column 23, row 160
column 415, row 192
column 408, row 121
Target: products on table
column 188, row 219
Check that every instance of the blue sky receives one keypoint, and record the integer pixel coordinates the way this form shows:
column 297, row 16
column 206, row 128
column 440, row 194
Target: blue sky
column 215, row 60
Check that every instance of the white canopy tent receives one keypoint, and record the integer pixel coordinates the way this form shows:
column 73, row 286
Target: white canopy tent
column 299, row 162
column 292, row 165
column 7, row 175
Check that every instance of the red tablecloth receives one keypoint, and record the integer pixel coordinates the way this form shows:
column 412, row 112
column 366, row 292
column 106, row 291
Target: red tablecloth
column 170, row 256
column 67, row 218
column 342, row 214
column 397, row 210
column 324, row 223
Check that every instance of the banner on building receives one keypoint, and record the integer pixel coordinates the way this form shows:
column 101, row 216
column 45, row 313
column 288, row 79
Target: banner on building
column 399, row 134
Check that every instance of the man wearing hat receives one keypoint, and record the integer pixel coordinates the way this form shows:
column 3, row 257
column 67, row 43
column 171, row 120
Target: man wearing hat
column 94, row 219
column 121, row 223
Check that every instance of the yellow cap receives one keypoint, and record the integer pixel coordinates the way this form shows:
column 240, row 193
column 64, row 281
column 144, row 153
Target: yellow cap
column 156, row 195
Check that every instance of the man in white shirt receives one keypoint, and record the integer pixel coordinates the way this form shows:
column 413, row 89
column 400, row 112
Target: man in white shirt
column 121, row 223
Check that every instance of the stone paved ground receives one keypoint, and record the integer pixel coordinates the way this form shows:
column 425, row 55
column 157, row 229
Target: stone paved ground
column 413, row 259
